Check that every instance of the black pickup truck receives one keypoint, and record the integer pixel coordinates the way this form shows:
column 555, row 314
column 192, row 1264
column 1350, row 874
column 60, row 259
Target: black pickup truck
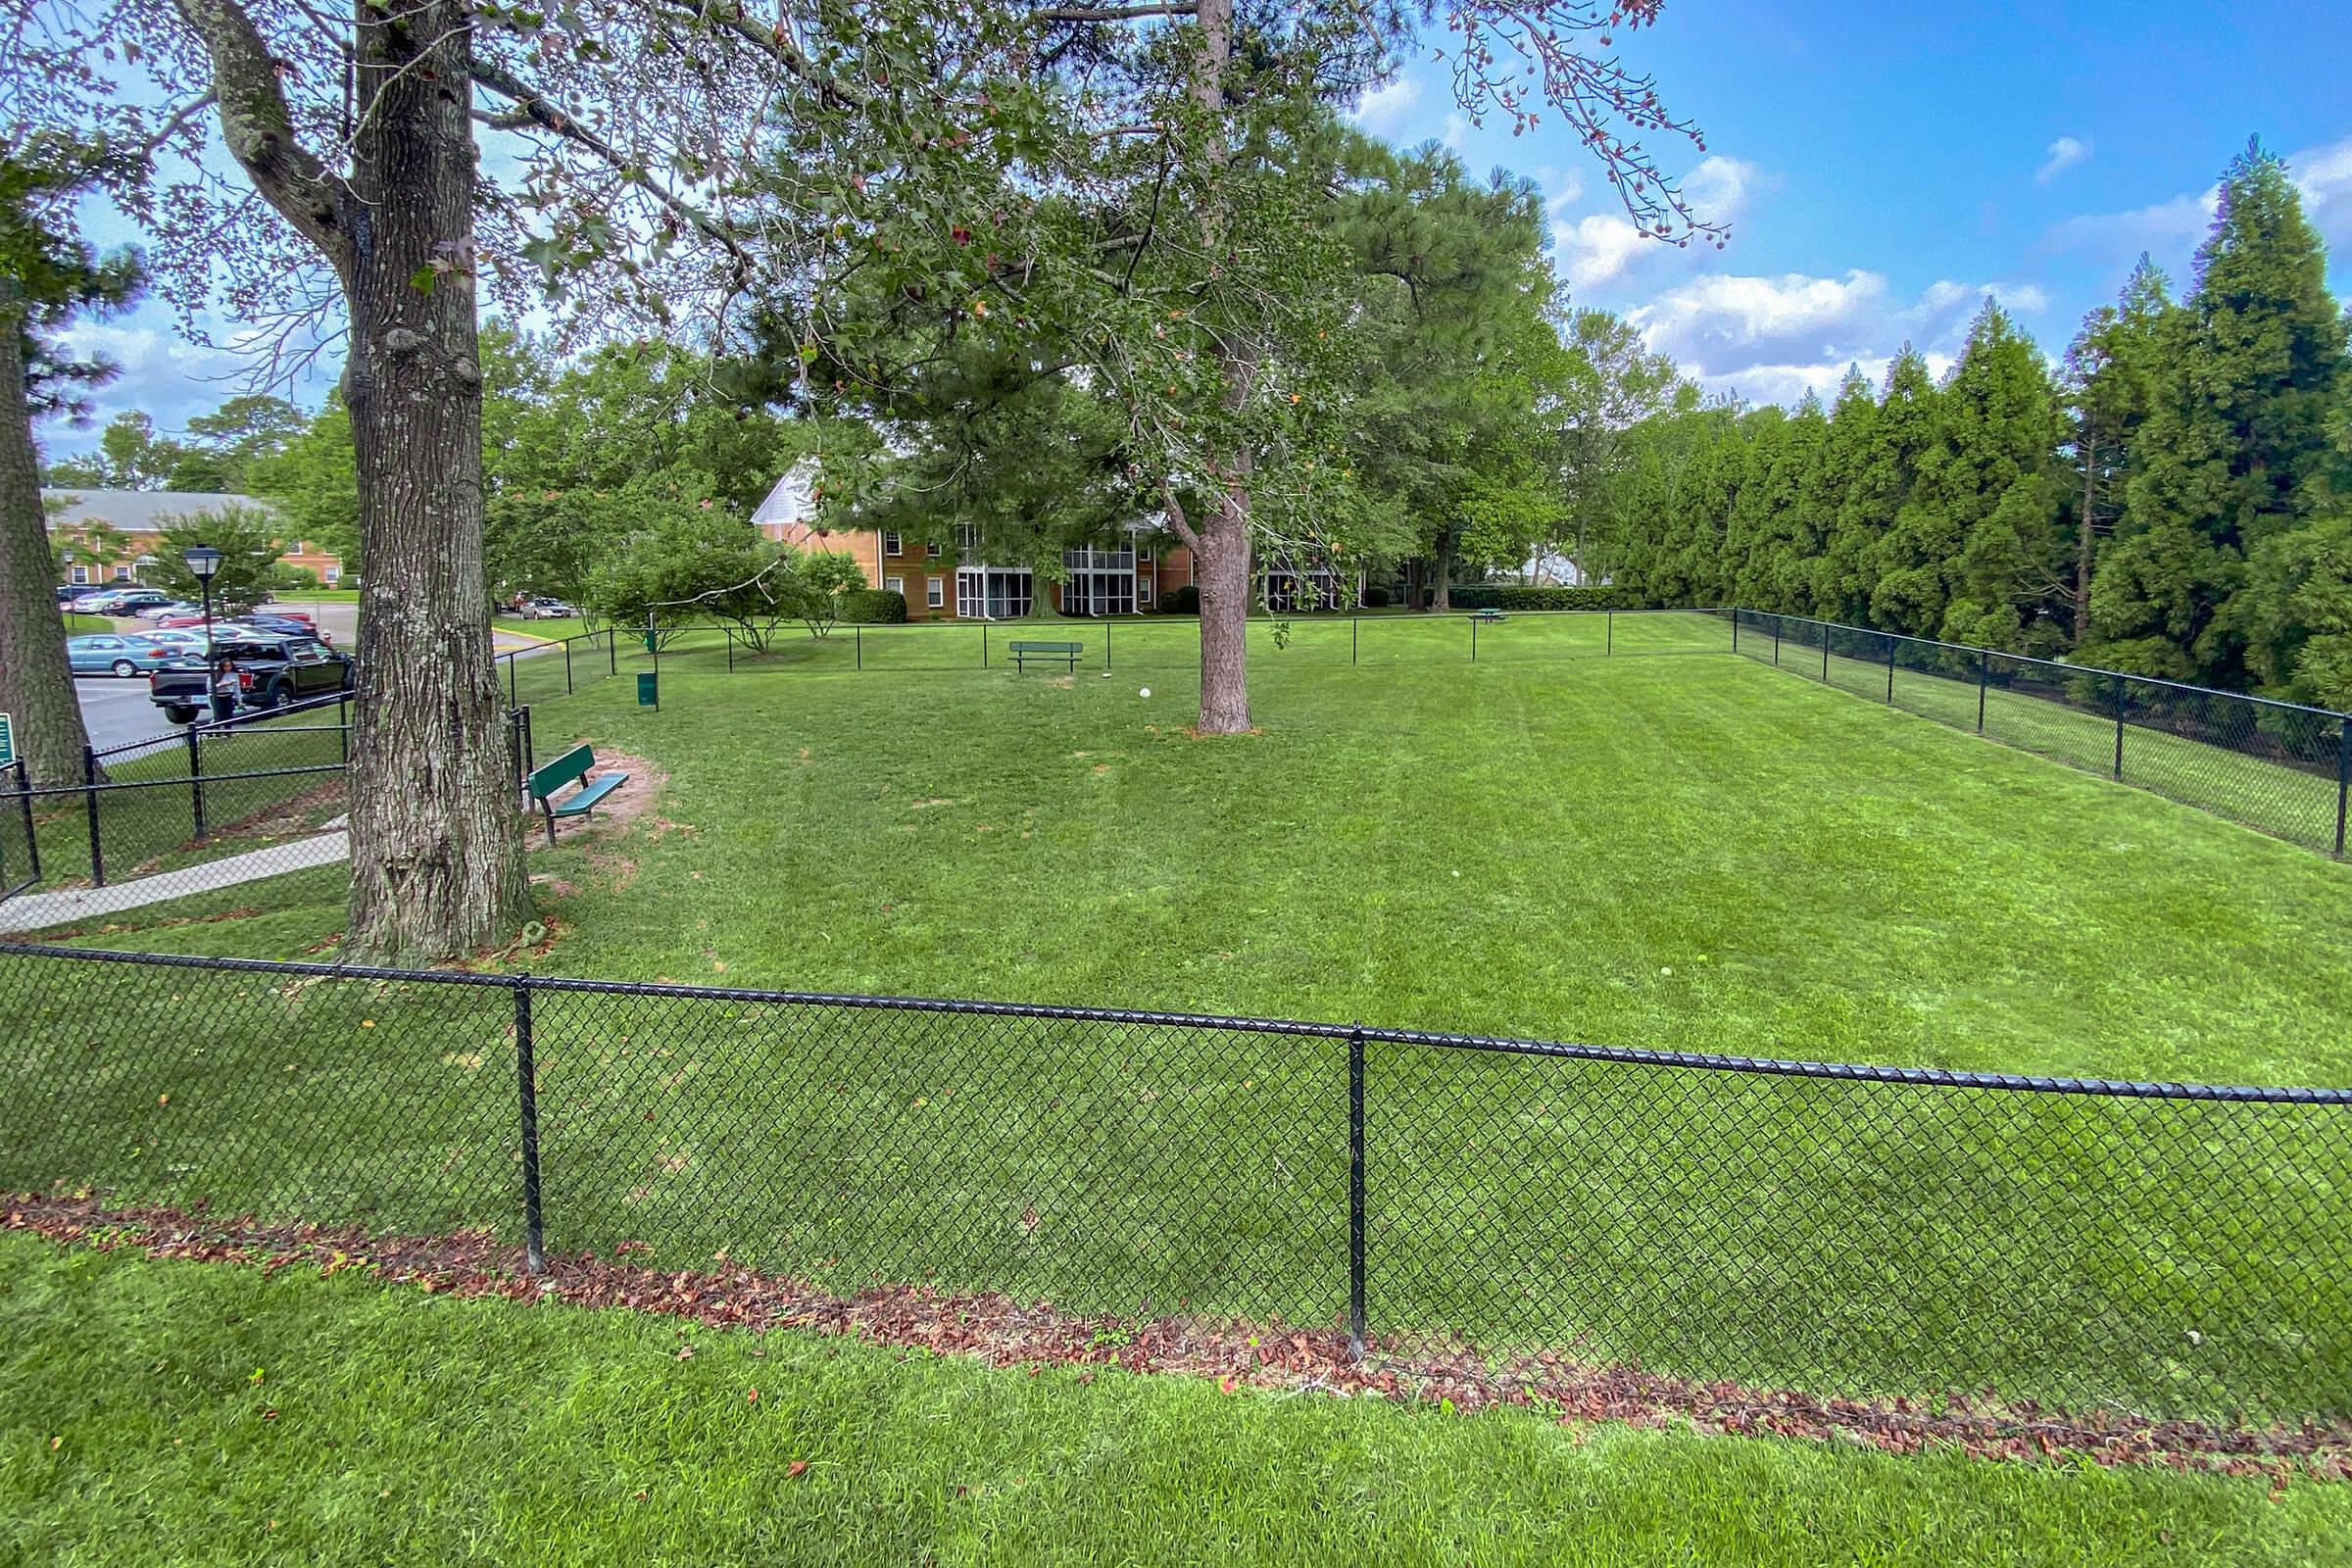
column 270, row 671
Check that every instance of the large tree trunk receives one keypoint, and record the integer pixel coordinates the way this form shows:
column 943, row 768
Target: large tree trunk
column 1443, row 596
column 436, row 834
column 36, row 689
column 1225, row 619
column 2086, row 536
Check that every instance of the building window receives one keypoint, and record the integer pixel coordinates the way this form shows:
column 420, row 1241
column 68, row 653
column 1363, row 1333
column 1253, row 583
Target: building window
column 1102, row 582
column 935, row 589
column 1143, row 588
column 932, row 550
column 999, row 593
column 967, row 537
column 894, row 585
column 121, row 574
column 890, row 544
column 334, row 574
column 81, row 575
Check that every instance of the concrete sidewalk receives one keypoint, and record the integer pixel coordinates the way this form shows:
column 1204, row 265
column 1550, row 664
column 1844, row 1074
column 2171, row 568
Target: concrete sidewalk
column 35, row 912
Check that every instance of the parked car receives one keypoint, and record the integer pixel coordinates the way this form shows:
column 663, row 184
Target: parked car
column 169, row 607
column 67, row 592
column 545, row 610
column 286, row 626
column 122, row 654
column 270, row 672
column 119, row 601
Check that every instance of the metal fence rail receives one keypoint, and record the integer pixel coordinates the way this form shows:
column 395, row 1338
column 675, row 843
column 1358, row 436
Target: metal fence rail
column 261, row 784
column 2281, row 767
column 1836, row 1228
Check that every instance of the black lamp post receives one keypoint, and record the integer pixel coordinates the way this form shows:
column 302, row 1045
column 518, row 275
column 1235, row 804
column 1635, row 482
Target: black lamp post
column 203, row 561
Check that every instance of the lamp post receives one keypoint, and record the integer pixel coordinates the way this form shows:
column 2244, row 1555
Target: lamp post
column 203, row 561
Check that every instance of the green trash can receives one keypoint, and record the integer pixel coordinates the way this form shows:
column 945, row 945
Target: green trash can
column 649, row 689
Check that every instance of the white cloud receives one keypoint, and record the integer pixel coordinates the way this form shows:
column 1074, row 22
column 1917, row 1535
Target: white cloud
column 1597, row 247
column 2171, row 229
column 1774, row 339
column 161, row 375
column 1560, row 187
column 1382, row 108
column 1718, row 189
column 2064, row 154
column 1456, row 133
column 1792, row 319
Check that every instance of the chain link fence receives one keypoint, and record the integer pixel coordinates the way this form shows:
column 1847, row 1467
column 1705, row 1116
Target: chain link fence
column 1842, row 1230
column 211, row 807
column 2279, row 768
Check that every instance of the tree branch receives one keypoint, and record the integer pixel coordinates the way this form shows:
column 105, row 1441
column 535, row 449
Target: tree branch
column 258, row 128
column 533, row 108
column 1173, row 8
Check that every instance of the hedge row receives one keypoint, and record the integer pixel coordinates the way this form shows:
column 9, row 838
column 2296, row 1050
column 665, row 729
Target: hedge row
column 873, row 607
column 1500, row 596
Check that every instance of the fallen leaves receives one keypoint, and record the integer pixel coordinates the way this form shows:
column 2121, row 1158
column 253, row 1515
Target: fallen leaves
column 1005, row 1332
column 796, row 1468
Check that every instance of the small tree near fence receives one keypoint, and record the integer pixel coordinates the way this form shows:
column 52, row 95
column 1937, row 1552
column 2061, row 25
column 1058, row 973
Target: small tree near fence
column 251, row 568
column 700, row 560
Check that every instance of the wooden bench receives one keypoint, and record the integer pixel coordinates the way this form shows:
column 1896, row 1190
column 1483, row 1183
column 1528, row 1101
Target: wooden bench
column 1048, row 653
column 571, row 767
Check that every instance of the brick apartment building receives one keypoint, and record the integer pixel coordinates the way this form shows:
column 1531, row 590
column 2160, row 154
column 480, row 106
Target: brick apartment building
column 947, row 582
column 132, row 522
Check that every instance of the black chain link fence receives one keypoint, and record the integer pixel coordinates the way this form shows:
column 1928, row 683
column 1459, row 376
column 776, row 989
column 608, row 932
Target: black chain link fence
column 1842, row 1230
column 2279, row 768
column 214, row 805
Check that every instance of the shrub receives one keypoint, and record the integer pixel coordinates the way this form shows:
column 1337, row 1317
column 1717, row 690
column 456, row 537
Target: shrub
column 1376, row 597
column 873, row 607
column 1184, row 600
column 1504, row 596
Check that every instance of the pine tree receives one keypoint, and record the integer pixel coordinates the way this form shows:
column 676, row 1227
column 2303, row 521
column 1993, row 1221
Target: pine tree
column 2109, row 380
column 1992, row 486
column 2235, row 451
column 1908, row 535
column 1840, row 580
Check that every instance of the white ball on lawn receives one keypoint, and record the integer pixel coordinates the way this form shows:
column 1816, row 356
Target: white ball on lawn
column 1146, row 692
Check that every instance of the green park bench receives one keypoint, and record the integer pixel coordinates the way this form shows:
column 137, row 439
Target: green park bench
column 1488, row 615
column 573, row 766
column 1046, row 653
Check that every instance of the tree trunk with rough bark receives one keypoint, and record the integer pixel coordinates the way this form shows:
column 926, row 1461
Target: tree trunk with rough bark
column 1443, row 596
column 36, row 688
column 2086, row 536
column 437, row 833
column 436, row 829
column 1224, row 543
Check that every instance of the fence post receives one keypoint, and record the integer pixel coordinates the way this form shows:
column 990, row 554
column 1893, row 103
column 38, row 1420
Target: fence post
column 89, row 794
column 1735, row 631
column 196, row 780
column 526, row 1094
column 1106, row 625
column 729, row 633
column 612, row 653
column 515, row 744
column 32, row 845
column 1352, row 619
column 2343, row 788
column 567, row 642
column 1825, row 655
column 343, row 723
column 2119, row 729
column 1983, row 676
column 1608, row 647
column 857, row 636
column 511, row 680
column 1474, row 639
column 1776, row 642
column 1891, row 673
column 1356, row 1194
column 530, row 751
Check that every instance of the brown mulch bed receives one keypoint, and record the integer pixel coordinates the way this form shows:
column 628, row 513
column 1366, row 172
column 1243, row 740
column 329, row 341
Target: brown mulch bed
column 1003, row 1332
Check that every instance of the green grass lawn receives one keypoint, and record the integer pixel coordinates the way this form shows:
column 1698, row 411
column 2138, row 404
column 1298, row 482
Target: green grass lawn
column 195, row 1413
column 1682, row 852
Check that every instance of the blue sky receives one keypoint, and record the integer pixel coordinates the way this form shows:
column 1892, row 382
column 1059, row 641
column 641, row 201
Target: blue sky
column 1883, row 166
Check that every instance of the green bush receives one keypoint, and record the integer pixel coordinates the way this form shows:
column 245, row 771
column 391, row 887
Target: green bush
column 1184, row 600
column 1376, row 597
column 1504, row 596
column 873, row 607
